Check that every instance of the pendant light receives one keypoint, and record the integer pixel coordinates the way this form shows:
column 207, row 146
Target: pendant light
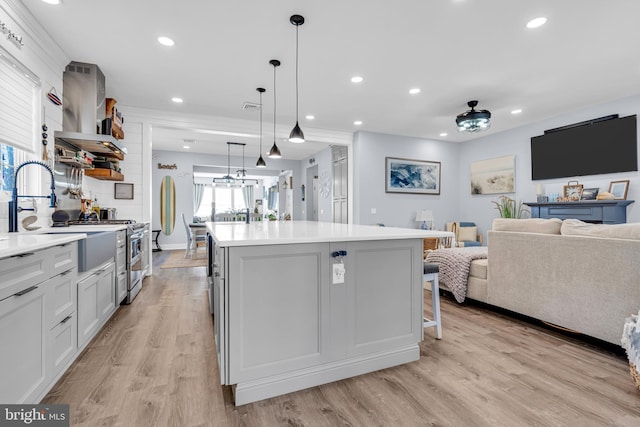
column 296, row 134
column 260, row 163
column 473, row 120
column 274, row 153
column 241, row 174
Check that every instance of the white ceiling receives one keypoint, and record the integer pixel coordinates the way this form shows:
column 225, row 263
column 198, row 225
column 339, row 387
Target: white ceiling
column 453, row 50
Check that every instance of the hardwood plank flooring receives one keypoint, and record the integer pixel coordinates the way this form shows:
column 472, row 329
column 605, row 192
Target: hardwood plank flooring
column 154, row 364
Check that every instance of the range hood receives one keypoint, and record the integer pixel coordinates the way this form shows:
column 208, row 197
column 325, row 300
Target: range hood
column 84, row 110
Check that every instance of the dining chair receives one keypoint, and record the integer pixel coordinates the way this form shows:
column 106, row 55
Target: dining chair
column 193, row 239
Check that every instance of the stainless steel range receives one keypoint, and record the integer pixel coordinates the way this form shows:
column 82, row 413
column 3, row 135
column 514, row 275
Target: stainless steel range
column 137, row 258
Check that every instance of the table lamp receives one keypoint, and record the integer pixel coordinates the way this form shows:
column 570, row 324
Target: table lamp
column 424, row 216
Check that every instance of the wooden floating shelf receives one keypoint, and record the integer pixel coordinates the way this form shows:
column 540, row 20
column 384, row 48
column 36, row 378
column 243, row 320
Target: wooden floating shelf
column 104, row 174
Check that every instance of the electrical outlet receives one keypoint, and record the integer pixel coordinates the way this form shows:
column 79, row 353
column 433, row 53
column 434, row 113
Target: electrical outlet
column 338, row 273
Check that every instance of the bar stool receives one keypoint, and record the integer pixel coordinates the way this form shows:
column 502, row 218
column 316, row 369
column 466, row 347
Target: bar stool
column 431, row 275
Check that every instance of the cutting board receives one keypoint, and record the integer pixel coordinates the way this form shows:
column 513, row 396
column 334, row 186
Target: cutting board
column 167, row 205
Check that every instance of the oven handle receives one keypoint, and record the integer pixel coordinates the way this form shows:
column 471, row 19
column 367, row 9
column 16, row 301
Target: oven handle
column 136, row 236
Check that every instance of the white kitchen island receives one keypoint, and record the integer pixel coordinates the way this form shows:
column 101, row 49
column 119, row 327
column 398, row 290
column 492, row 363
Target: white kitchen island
column 298, row 304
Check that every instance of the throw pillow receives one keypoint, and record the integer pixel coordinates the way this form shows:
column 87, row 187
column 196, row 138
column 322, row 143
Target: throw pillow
column 528, row 225
column 468, row 234
column 575, row 227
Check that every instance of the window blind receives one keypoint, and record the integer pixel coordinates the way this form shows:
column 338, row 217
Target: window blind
column 18, row 104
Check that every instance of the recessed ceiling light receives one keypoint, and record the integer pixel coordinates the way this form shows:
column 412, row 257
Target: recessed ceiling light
column 52, row 1
column 516, row 111
column 444, row 134
column 310, row 117
column 414, row 91
column 186, row 147
column 357, row 79
column 177, row 100
column 357, row 122
column 537, row 22
column 166, row 41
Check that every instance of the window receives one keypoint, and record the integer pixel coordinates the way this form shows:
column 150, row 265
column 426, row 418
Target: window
column 227, row 199
column 7, row 167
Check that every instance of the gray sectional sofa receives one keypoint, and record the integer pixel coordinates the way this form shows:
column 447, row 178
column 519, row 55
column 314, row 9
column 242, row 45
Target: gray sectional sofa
column 584, row 277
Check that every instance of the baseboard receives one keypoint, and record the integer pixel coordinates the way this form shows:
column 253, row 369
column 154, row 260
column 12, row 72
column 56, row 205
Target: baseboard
column 277, row 385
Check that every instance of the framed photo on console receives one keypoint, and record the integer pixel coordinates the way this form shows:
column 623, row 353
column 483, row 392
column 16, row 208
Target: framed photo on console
column 572, row 191
column 589, row 193
column 619, row 189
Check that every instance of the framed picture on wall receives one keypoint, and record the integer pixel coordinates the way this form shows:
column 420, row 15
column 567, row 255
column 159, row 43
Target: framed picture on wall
column 122, row 191
column 412, row 176
column 619, row 189
column 493, row 176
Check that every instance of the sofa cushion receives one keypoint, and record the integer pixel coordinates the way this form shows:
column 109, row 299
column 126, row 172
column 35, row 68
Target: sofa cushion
column 528, row 225
column 575, row 227
column 478, row 268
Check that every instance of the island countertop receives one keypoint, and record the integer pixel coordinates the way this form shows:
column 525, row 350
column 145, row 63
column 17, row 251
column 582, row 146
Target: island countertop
column 291, row 232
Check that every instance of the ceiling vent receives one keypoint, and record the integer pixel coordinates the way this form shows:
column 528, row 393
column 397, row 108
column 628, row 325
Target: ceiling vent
column 250, row 106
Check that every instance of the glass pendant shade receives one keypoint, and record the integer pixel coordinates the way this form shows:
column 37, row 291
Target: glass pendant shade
column 296, row 134
column 473, row 120
column 274, row 153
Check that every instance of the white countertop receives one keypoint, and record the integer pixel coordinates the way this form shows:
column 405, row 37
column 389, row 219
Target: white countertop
column 288, row 232
column 19, row 243
column 83, row 228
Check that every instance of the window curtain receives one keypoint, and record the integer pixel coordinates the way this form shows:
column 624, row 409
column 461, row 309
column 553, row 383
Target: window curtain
column 247, row 194
column 271, row 198
column 198, row 192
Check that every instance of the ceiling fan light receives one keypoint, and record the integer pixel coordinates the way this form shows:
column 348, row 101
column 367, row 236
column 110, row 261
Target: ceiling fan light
column 296, row 134
column 473, row 120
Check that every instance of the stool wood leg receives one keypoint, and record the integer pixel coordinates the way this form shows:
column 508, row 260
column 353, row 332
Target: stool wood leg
column 435, row 299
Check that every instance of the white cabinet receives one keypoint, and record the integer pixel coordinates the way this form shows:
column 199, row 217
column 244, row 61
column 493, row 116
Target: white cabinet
column 34, row 320
column 286, row 319
column 23, row 337
column 96, row 301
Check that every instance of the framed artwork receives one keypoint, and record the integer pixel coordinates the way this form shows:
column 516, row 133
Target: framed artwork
column 493, row 176
column 589, row 193
column 412, row 176
column 122, row 191
column 619, row 189
column 572, row 191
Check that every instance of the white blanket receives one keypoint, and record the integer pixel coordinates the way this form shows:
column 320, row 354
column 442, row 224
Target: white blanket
column 455, row 264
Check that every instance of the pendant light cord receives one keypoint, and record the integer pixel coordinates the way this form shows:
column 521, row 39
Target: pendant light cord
column 297, row 73
column 274, row 104
column 260, row 124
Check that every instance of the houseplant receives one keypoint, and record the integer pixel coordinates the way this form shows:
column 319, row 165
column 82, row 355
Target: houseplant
column 509, row 208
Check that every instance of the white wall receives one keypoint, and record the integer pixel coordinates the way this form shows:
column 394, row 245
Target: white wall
column 399, row 210
column 517, row 142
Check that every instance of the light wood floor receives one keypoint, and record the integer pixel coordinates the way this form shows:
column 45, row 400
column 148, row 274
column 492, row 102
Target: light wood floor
column 154, row 364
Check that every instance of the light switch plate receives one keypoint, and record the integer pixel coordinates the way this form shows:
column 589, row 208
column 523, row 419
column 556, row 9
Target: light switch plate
column 338, row 273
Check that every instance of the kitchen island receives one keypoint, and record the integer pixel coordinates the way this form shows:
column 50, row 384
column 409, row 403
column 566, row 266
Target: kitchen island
column 298, row 304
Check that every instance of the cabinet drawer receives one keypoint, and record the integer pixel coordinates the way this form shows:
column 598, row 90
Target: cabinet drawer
column 64, row 257
column 62, row 303
column 22, row 271
column 62, row 344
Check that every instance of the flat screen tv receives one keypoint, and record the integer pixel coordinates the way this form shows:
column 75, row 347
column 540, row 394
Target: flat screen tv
column 599, row 146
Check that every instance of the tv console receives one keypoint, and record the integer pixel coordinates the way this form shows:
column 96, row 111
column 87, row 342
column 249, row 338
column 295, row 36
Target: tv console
column 596, row 211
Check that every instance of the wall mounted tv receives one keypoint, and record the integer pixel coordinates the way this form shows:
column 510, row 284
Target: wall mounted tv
column 604, row 145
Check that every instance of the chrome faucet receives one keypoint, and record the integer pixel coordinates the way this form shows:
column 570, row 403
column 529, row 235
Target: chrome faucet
column 13, row 204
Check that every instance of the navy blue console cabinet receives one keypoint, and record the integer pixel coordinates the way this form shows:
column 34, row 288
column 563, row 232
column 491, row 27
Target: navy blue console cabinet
column 596, row 211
